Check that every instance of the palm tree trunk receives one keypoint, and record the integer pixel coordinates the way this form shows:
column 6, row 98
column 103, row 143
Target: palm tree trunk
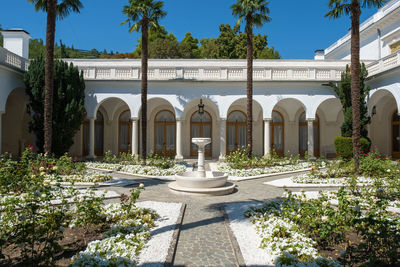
column 49, row 73
column 355, row 79
column 145, row 33
column 249, row 136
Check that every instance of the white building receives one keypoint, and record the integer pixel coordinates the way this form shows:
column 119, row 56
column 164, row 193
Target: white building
column 290, row 99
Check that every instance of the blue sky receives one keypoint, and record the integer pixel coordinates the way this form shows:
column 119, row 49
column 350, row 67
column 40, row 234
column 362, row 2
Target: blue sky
column 297, row 28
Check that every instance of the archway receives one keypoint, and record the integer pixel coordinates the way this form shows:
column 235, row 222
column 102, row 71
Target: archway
column 124, row 132
column 165, row 133
column 200, row 126
column 236, row 131
column 303, row 135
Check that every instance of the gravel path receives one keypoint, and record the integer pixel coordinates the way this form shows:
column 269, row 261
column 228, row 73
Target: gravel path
column 245, row 233
column 156, row 250
column 204, row 239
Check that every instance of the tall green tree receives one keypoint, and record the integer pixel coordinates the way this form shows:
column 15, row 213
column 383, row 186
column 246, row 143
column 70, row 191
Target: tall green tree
column 54, row 9
column 343, row 90
column 352, row 8
column 69, row 94
column 144, row 14
column 255, row 14
column 189, row 47
column 161, row 44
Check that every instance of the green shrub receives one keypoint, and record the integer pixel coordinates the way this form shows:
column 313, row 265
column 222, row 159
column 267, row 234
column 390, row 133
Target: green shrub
column 344, row 146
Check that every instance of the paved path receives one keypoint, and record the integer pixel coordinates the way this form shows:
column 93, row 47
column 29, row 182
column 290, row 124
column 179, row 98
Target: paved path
column 204, row 240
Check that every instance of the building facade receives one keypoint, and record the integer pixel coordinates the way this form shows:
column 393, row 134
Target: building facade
column 294, row 111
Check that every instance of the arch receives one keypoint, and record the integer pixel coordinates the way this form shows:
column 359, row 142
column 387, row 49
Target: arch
column 290, row 105
column 105, row 100
column 209, row 106
column 98, row 134
column 15, row 132
column 201, row 126
column 124, row 132
column 240, row 102
column 303, row 135
column 273, row 101
column 165, row 133
column 236, row 133
column 375, row 96
column 330, row 107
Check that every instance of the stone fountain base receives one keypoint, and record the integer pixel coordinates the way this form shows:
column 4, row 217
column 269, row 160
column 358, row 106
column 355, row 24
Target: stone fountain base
column 214, row 184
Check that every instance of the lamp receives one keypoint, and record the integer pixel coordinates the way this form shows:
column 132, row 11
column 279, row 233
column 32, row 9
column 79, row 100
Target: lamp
column 373, row 110
column 201, row 107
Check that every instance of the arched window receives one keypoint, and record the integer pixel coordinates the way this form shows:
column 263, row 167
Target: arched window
column 98, row 135
column 125, row 132
column 164, row 128
column 395, row 135
column 237, row 131
column 200, row 126
column 277, row 131
column 303, row 135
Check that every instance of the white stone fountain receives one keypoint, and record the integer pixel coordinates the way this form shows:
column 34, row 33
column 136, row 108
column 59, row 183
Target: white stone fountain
column 201, row 182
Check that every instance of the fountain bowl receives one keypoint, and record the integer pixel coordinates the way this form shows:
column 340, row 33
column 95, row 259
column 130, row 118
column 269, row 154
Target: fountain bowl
column 195, row 179
column 191, row 183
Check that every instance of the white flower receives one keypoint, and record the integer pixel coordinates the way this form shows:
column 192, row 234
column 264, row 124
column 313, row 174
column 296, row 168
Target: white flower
column 388, row 170
column 141, row 185
column 41, row 168
column 324, row 218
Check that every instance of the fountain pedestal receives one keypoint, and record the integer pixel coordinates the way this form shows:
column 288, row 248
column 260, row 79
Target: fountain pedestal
column 201, row 143
column 201, row 182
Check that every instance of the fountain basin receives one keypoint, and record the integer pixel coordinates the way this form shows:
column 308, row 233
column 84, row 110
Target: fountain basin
column 190, row 183
column 194, row 179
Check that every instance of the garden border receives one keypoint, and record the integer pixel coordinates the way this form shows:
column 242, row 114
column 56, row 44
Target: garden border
column 175, row 237
column 162, row 178
column 236, row 248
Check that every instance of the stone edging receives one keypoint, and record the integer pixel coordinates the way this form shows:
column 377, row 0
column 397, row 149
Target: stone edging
column 175, row 236
column 245, row 178
column 236, row 249
column 162, row 178
column 171, row 178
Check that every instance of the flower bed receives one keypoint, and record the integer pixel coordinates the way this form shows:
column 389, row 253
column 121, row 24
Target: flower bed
column 284, row 240
column 88, row 176
column 121, row 244
column 226, row 167
column 359, row 230
column 138, row 169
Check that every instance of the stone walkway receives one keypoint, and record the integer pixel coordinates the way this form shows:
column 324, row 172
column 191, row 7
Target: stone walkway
column 204, row 239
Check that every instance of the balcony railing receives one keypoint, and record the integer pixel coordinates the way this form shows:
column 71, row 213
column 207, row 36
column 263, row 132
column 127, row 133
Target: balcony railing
column 212, row 70
column 386, row 63
column 13, row 60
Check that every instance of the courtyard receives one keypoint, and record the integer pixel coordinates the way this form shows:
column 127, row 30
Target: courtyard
column 312, row 212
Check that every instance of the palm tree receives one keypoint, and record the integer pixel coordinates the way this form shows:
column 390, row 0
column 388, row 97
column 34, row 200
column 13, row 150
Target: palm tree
column 144, row 14
column 353, row 8
column 54, row 10
column 255, row 13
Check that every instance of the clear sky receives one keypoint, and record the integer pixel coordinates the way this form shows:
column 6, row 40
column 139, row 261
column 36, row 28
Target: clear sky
column 297, row 28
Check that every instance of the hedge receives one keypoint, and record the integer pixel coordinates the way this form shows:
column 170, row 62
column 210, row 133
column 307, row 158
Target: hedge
column 344, row 146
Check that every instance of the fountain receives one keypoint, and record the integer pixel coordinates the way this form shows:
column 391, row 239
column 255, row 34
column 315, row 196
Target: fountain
column 201, row 182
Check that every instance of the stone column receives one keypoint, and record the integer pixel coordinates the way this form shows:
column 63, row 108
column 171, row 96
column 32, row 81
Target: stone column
column 134, row 135
column 222, row 140
column 267, row 137
column 310, row 126
column 179, row 155
column 91, row 138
